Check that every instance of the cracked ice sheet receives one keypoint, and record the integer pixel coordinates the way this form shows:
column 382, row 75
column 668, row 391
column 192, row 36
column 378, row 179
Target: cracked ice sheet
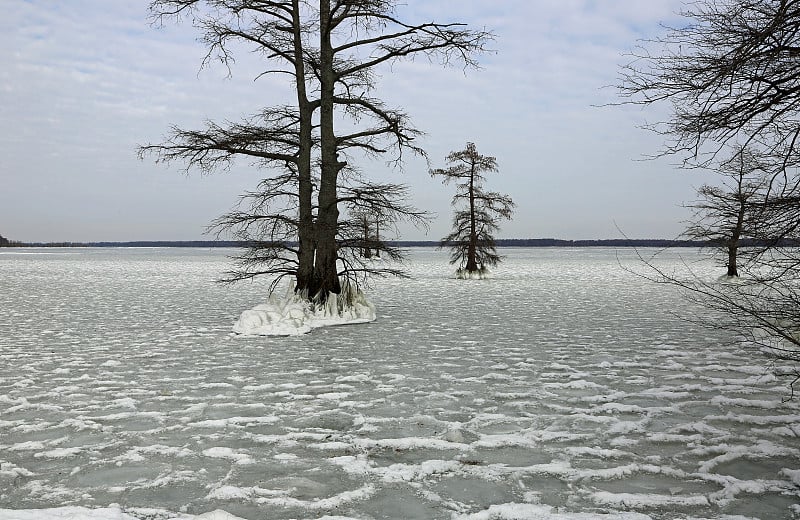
column 565, row 398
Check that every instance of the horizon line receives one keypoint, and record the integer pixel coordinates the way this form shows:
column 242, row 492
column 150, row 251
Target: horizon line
column 502, row 242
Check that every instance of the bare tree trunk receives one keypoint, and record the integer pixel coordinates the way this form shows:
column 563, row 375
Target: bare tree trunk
column 326, row 277
column 367, row 250
column 733, row 243
column 377, row 237
column 472, row 264
column 732, row 250
column 305, row 227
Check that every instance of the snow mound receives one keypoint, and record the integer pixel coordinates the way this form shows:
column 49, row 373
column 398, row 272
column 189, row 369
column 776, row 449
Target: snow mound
column 293, row 315
column 541, row 512
column 480, row 274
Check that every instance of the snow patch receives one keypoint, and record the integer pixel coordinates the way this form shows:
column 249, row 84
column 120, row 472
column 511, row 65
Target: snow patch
column 540, row 512
column 480, row 274
column 793, row 475
column 648, row 500
column 112, row 512
column 12, row 471
column 235, row 422
column 220, row 452
column 292, row 315
column 59, row 453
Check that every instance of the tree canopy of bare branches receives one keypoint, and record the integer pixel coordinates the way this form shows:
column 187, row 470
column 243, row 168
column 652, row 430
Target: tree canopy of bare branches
column 732, row 214
column 731, row 78
column 475, row 220
column 330, row 51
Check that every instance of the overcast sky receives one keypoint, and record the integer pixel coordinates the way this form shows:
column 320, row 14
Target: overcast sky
column 83, row 82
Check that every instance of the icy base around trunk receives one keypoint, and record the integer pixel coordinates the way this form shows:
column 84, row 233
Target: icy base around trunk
column 480, row 274
column 292, row 315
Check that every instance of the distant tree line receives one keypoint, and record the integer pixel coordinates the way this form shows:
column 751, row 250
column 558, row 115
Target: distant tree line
column 500, row 242
column 4, row 242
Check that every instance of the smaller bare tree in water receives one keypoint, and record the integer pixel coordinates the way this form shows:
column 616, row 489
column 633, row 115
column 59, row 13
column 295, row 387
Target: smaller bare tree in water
column 472, row 243
column 734, row 213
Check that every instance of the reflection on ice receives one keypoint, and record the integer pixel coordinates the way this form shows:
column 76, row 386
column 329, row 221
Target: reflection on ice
column 558, row 389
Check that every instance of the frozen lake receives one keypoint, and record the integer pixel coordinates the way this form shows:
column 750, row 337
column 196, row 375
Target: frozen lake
column 562, row 388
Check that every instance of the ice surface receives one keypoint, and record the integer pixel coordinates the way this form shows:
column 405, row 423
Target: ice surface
column 558, row 389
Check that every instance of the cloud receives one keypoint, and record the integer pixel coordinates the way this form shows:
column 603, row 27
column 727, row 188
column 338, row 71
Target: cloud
column 83, row 82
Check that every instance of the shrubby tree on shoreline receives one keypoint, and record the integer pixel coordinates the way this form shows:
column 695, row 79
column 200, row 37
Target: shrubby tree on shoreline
column 730, row 77
column 330, row 49
column 472, row 243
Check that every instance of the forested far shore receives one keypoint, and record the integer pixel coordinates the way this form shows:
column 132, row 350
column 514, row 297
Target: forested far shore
column 507, row 242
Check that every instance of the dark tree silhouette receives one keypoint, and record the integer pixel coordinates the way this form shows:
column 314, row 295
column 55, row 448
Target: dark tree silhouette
column 363, row 221
column 729, row 214
column 330, row 49
column 266, row 220
column 4, row 242
column 472, row 242
column 730, row 76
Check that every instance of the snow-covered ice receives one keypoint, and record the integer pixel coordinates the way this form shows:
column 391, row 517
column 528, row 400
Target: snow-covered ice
column 113, row 512
column 561, row 388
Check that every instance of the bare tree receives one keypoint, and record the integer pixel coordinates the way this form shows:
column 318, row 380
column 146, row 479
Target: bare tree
column 266, row 221
column 734, row 212
column 730, row 76
column 355, row 37
column 375, row 226
column 477, row 212
column 364, row 220
column 369, row 205
column 330, row 49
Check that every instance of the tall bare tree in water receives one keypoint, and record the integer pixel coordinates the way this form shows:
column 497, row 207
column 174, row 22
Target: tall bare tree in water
column 472, row 242
column 331, row 50
column 729, row 75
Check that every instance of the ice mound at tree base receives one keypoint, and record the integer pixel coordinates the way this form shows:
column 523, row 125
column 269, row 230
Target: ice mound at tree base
column 293, row 315
column 480, row 274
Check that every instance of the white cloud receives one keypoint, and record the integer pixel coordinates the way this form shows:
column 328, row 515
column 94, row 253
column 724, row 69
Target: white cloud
column 83, row 82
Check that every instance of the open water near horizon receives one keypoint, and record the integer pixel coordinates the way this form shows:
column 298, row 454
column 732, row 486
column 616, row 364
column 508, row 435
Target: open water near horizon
column 563, row 387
